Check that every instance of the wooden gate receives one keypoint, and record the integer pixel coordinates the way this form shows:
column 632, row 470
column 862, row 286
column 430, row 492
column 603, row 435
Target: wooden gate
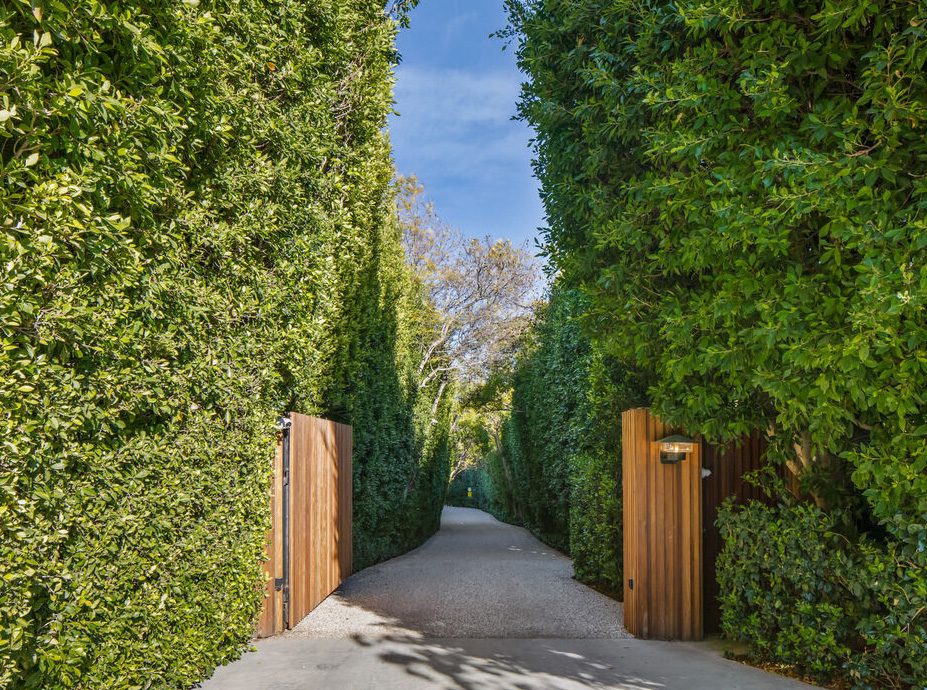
column 309, row 547
column 662, row 534
column 728, row 465
column 670, row 539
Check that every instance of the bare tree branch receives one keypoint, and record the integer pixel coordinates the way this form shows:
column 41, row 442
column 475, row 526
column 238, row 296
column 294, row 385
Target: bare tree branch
column 481, row 290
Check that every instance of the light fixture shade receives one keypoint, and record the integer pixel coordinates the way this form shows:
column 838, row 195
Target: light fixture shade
column 676, row 444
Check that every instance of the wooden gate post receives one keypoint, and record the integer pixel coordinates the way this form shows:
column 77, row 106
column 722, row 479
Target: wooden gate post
column 662, row 534
column 309, row 551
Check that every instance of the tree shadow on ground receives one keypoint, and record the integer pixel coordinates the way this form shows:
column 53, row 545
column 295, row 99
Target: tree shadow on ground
column 525, row 665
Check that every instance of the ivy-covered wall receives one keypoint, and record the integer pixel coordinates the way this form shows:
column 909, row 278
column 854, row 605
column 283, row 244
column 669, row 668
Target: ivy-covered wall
column 196, row 237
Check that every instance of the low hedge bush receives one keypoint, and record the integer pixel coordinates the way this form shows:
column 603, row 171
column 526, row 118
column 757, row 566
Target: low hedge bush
column 800, row 593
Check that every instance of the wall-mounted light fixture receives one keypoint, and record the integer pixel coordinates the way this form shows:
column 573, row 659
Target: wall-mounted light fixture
column 675, row 449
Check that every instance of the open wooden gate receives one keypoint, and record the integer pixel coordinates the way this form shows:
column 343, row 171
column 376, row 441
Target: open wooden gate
column 309, row 547
column 670, row 539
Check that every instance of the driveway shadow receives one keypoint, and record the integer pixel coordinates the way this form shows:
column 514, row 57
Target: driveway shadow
column 509, row 665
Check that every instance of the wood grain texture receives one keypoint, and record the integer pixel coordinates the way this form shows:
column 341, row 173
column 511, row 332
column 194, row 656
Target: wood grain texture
column 671, row 541
column 270, row 621
column 662, row 511
column 320, row 520
column 728, row 464
column 279, row 545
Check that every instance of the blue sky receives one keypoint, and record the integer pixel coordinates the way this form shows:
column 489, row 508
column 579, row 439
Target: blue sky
column 456, row 91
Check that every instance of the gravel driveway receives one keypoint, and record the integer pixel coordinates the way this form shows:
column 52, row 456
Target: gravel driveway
column 476, row 578
column 480, row 606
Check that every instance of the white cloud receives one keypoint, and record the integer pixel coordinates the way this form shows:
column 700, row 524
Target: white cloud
column 456, row 97
column 455, row 131
column 461, row 119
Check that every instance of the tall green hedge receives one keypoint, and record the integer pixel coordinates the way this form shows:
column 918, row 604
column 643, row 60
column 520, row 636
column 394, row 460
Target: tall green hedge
column 739, row 188
column 196, row 237
column 559, row 469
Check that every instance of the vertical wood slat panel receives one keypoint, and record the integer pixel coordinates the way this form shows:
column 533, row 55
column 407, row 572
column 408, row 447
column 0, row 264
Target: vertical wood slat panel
column 662, row 580
column 646, row 483
column 326, row 509
column 320, row 494
column 728, row 465
column 630, row 548
column 636, row 497
column 330, row 459
column 645, row 595
column 675, row 568
column 632, row 515
column 279, row 622
column 301, row 455
column 334, row 472
column 688, row 551
column 655, row 609
column 322, row 532
column 299, row 527
column 321, row 475
column 315, row 510
column 670, row 539
column 663, row 525
column 694, row 516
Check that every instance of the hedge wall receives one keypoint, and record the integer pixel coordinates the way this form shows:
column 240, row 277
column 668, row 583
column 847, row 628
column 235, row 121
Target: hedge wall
column 739, row 188
column 559, row 470
column 196, row 238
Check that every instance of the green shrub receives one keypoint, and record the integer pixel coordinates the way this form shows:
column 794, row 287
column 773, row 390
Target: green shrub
column 195, row 230
column 802, row 594
column 596, row 521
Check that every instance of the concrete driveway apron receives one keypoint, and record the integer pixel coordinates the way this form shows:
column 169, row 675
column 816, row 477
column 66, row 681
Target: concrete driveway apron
column 480, row 606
